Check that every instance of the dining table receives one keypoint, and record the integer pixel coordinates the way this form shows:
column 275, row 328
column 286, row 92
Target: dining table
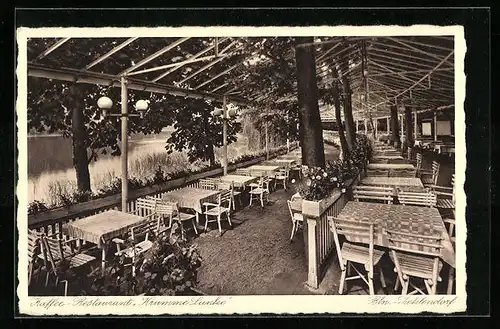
column 191, row 198
column 258, row 170
column 239, row 181
column 102, row 228
column 388, row 157
column 406, row 184
column 420, row 221
column 392, row 167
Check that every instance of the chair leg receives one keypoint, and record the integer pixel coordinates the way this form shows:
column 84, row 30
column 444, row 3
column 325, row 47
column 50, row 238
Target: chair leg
column 47, row 277
column 382, row 278
column 229, row 219
column 451, row 275
column 370, row 283
column 262, row 200
column 218, row 224
column 342, row 278
column 206, row 222
column 405, row 283
column 293, row 231
column 194, row 226
column 251, row 199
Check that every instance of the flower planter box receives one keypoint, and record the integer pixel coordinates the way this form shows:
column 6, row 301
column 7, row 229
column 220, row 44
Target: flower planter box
column 317, row 208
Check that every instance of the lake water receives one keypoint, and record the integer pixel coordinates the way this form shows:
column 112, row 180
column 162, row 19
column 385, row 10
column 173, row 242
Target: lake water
column 51, row 173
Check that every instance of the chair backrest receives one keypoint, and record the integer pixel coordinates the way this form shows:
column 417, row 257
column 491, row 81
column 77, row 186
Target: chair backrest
column 373, row 193
column 429, row 245
column 264, row 182
column 166, row 208
column 419, row 160
column 402, row 173
column 54, row 251
column 282, row 172
column 435, row 171
column 224, row 198
column 426, row 199
column 207, row 184
column 243, row 172
column 34, row 244
column 353, row 230
column 377, row 172
column 290, row 210
column 146, row 206
column 144, row 228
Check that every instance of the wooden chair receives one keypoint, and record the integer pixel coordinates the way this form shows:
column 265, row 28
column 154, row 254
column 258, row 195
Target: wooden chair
column 146, row 206
column 355, row 253
column 170, row 210
column 377, row 172
column 431, row 180
column 234, row 193
column 415, row 256
column 297, row 219
column 207, row 184
column 260, row 191
column 402, row 173
column 243, row 172
column 34, row 250
column 424, row 199
column 223, row 206
column 56, row 251
column 373, row 193
column 445, row 196
column 297, row 168
column 282, row 177
column 139, row 237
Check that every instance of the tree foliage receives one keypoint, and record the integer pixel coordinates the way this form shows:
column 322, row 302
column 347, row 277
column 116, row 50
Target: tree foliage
column 198, row 132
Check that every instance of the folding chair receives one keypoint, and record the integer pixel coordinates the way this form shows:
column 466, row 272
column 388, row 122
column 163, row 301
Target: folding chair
column 373, row 193
column 350, row 254
column 424, row 199
column 415, row 256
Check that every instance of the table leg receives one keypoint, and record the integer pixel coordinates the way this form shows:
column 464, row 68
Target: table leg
column 451, row 278
column 104, row 249
column 197, row 218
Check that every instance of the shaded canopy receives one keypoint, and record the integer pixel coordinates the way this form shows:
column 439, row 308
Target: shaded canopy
column 416, row 70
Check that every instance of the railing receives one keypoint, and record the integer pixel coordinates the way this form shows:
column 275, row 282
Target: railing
column 51, row 221
column 319, row 239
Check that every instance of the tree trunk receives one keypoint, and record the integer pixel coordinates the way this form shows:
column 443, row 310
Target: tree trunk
column 80, row 157
column 338, row 118
column 311, row 132
column 394, row 126
column 409, row 127
column 349, row 120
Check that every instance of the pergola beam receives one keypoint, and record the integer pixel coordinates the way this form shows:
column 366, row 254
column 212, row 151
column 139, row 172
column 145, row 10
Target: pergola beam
column 422, row 44
column 392, row 61
column 446, row 69
column 218, row 75
column 421, row 79
column 155, row 55
column 56, row 45
column 415, row 49
column 204, row 51
column 111, row 52
column 187, row 61
column 95, row 78
column 391, row 70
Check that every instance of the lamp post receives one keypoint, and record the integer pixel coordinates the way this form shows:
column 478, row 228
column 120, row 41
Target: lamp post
column 105, row 104
column 225, row 114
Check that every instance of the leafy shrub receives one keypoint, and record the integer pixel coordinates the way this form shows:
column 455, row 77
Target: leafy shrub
column 36, row 207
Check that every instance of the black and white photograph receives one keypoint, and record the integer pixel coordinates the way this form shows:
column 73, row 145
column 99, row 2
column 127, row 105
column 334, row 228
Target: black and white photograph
column 250, row 169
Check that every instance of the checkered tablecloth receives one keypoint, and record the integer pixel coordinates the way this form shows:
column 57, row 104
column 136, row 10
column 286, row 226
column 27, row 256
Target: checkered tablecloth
column 388, row 157
column 191, row 198
column 102, row 227
column 239, row 180
column 407, row 184
column 422, row 221
column 256, row 170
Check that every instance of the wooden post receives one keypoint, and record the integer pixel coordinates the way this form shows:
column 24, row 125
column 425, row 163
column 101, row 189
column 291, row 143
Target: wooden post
column 409, row 132
column 415, row 124
column 124, row 141
column 357, row 125
column 312, row 275
column 435, row 127
column 394, row 126
column 402, row 121
column 224, row 133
